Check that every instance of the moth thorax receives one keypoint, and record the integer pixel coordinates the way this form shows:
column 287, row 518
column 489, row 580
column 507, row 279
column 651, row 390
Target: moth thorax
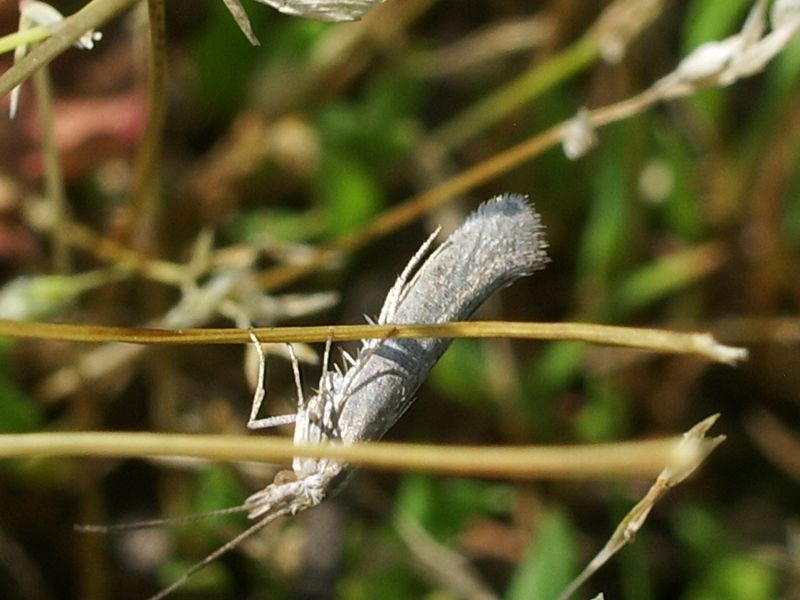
column 284, row 476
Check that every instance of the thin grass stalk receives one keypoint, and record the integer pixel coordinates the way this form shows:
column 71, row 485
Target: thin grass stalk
column 515, row 94
column 621, row 459
column 10, row 42
column 427, row 201
column 146, row 172
column 656, row 340
column 615, row 27
column 414, row 207
column 56, row 199
column 91, row 16
column 110, row 251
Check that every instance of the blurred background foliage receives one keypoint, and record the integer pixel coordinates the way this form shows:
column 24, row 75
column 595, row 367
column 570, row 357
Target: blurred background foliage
column 682, row 215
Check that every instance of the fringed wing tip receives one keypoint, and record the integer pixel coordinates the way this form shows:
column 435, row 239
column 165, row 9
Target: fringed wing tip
column 527, row 226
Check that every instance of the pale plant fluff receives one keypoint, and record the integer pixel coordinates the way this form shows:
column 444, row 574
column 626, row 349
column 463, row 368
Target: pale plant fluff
column 500, row 242
column 324, row 10
column 33, row 13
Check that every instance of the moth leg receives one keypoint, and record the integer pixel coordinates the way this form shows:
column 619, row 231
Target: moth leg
column 298, row 383
column 260, row 393
column 326, row 358
column 225, row 548
column 398, row 290
column 328, row 397
column 366, row 352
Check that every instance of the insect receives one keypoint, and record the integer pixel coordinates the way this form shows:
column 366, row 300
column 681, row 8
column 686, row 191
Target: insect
column 500, row 242
column 324, row 10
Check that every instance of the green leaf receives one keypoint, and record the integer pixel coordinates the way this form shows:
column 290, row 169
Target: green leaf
column 735, row 578
column 702, row 533
column 256, row 226
column 348, row 192
column 783, row 73
column 396, row 582
column 18, row 412
column 445, row 506
column 681, row 208
column 663, row 277
column 708, row 20
column 558, row 367
column 549, row 562
column 607, row 233
column 41, row 296
column 226, row 65
column 223, row 60
column 212, row 581
column 724, row 571
column 605, row 417
column 218, row 488
column 377, row 128
column 554, row 371
column 460, row 375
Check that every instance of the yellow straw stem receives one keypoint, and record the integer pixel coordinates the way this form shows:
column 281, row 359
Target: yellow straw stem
column 656, row 340
column 624, row 459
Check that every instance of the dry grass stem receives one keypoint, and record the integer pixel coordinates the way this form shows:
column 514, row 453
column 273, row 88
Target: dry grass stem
column 442, row 565
column 615, row 27
column 492, row 42
column 55, row 196
column 22, row 38
column 647, row 339
column 623, row 459
column 299, row 115
column 91, row 16
column 695, row 443
column 146, row 185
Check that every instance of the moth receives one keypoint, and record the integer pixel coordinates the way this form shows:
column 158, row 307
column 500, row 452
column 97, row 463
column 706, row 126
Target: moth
column 321, row 10
column 360, row 400
column 324, row 10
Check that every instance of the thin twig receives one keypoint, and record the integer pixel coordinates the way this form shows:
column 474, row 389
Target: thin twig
column 56, row 200
column 667, row 479
column 441, row 564
column 91, row 16
column 618, row 21
column 23, row 38
column 108, row 250
column 532, row 84
column 146, row 171
column 416, row 206
column 647, row 339
column 425, row 202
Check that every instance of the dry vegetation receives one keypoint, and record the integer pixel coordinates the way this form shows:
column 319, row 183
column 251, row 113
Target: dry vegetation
column 176, row 177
